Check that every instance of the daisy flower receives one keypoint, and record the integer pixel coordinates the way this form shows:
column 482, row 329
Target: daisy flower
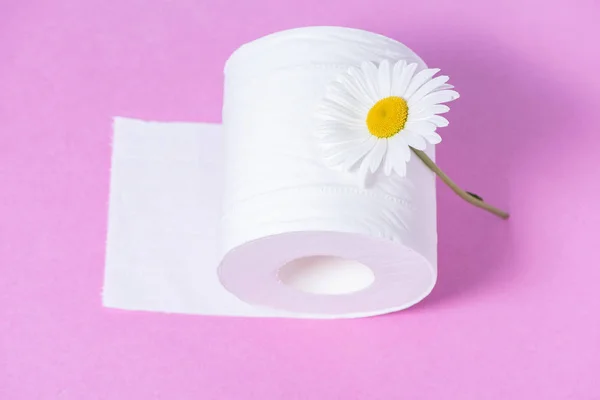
column 371, row 115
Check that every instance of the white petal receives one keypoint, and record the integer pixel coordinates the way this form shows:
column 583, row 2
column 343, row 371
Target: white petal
column 363, row 171
column 396, row 72
column 420, row 78
column 371, row 77
column 340, row 148
column 433, row 138
column 404, row 148
column 427, row 88
column 398, row 154
column 388, row 163
column 403, row 79
column 354, row 88
column 400, row 168
column 372, row 160
column 332, row 133
column 439, row 109
column 334, row 125
column 361, row 81
column 331, row 111
column 377, row 154
column 373, row 154
column 414, row 140
column 435, row 98
column 438, row 120
column 384, row 79
column 425, row 112
column 344, row 99
column 445, row 86
column 337, row 156
column 358, row 152
column 420, row 126
column 400, row 146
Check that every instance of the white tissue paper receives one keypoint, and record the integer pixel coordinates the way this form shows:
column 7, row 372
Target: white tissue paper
column 244, row 218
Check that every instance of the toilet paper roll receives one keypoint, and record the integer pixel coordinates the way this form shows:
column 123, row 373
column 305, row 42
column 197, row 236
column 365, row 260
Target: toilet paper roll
column 245, row 219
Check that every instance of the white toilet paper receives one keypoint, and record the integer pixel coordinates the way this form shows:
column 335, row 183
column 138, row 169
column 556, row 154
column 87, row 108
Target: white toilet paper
column 245, row 219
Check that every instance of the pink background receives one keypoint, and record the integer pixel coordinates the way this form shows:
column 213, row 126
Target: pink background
column 516, row 313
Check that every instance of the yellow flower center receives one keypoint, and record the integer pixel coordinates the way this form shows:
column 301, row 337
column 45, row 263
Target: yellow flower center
column 387, row 117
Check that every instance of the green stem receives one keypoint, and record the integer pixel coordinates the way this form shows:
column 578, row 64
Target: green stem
column 476, row 201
